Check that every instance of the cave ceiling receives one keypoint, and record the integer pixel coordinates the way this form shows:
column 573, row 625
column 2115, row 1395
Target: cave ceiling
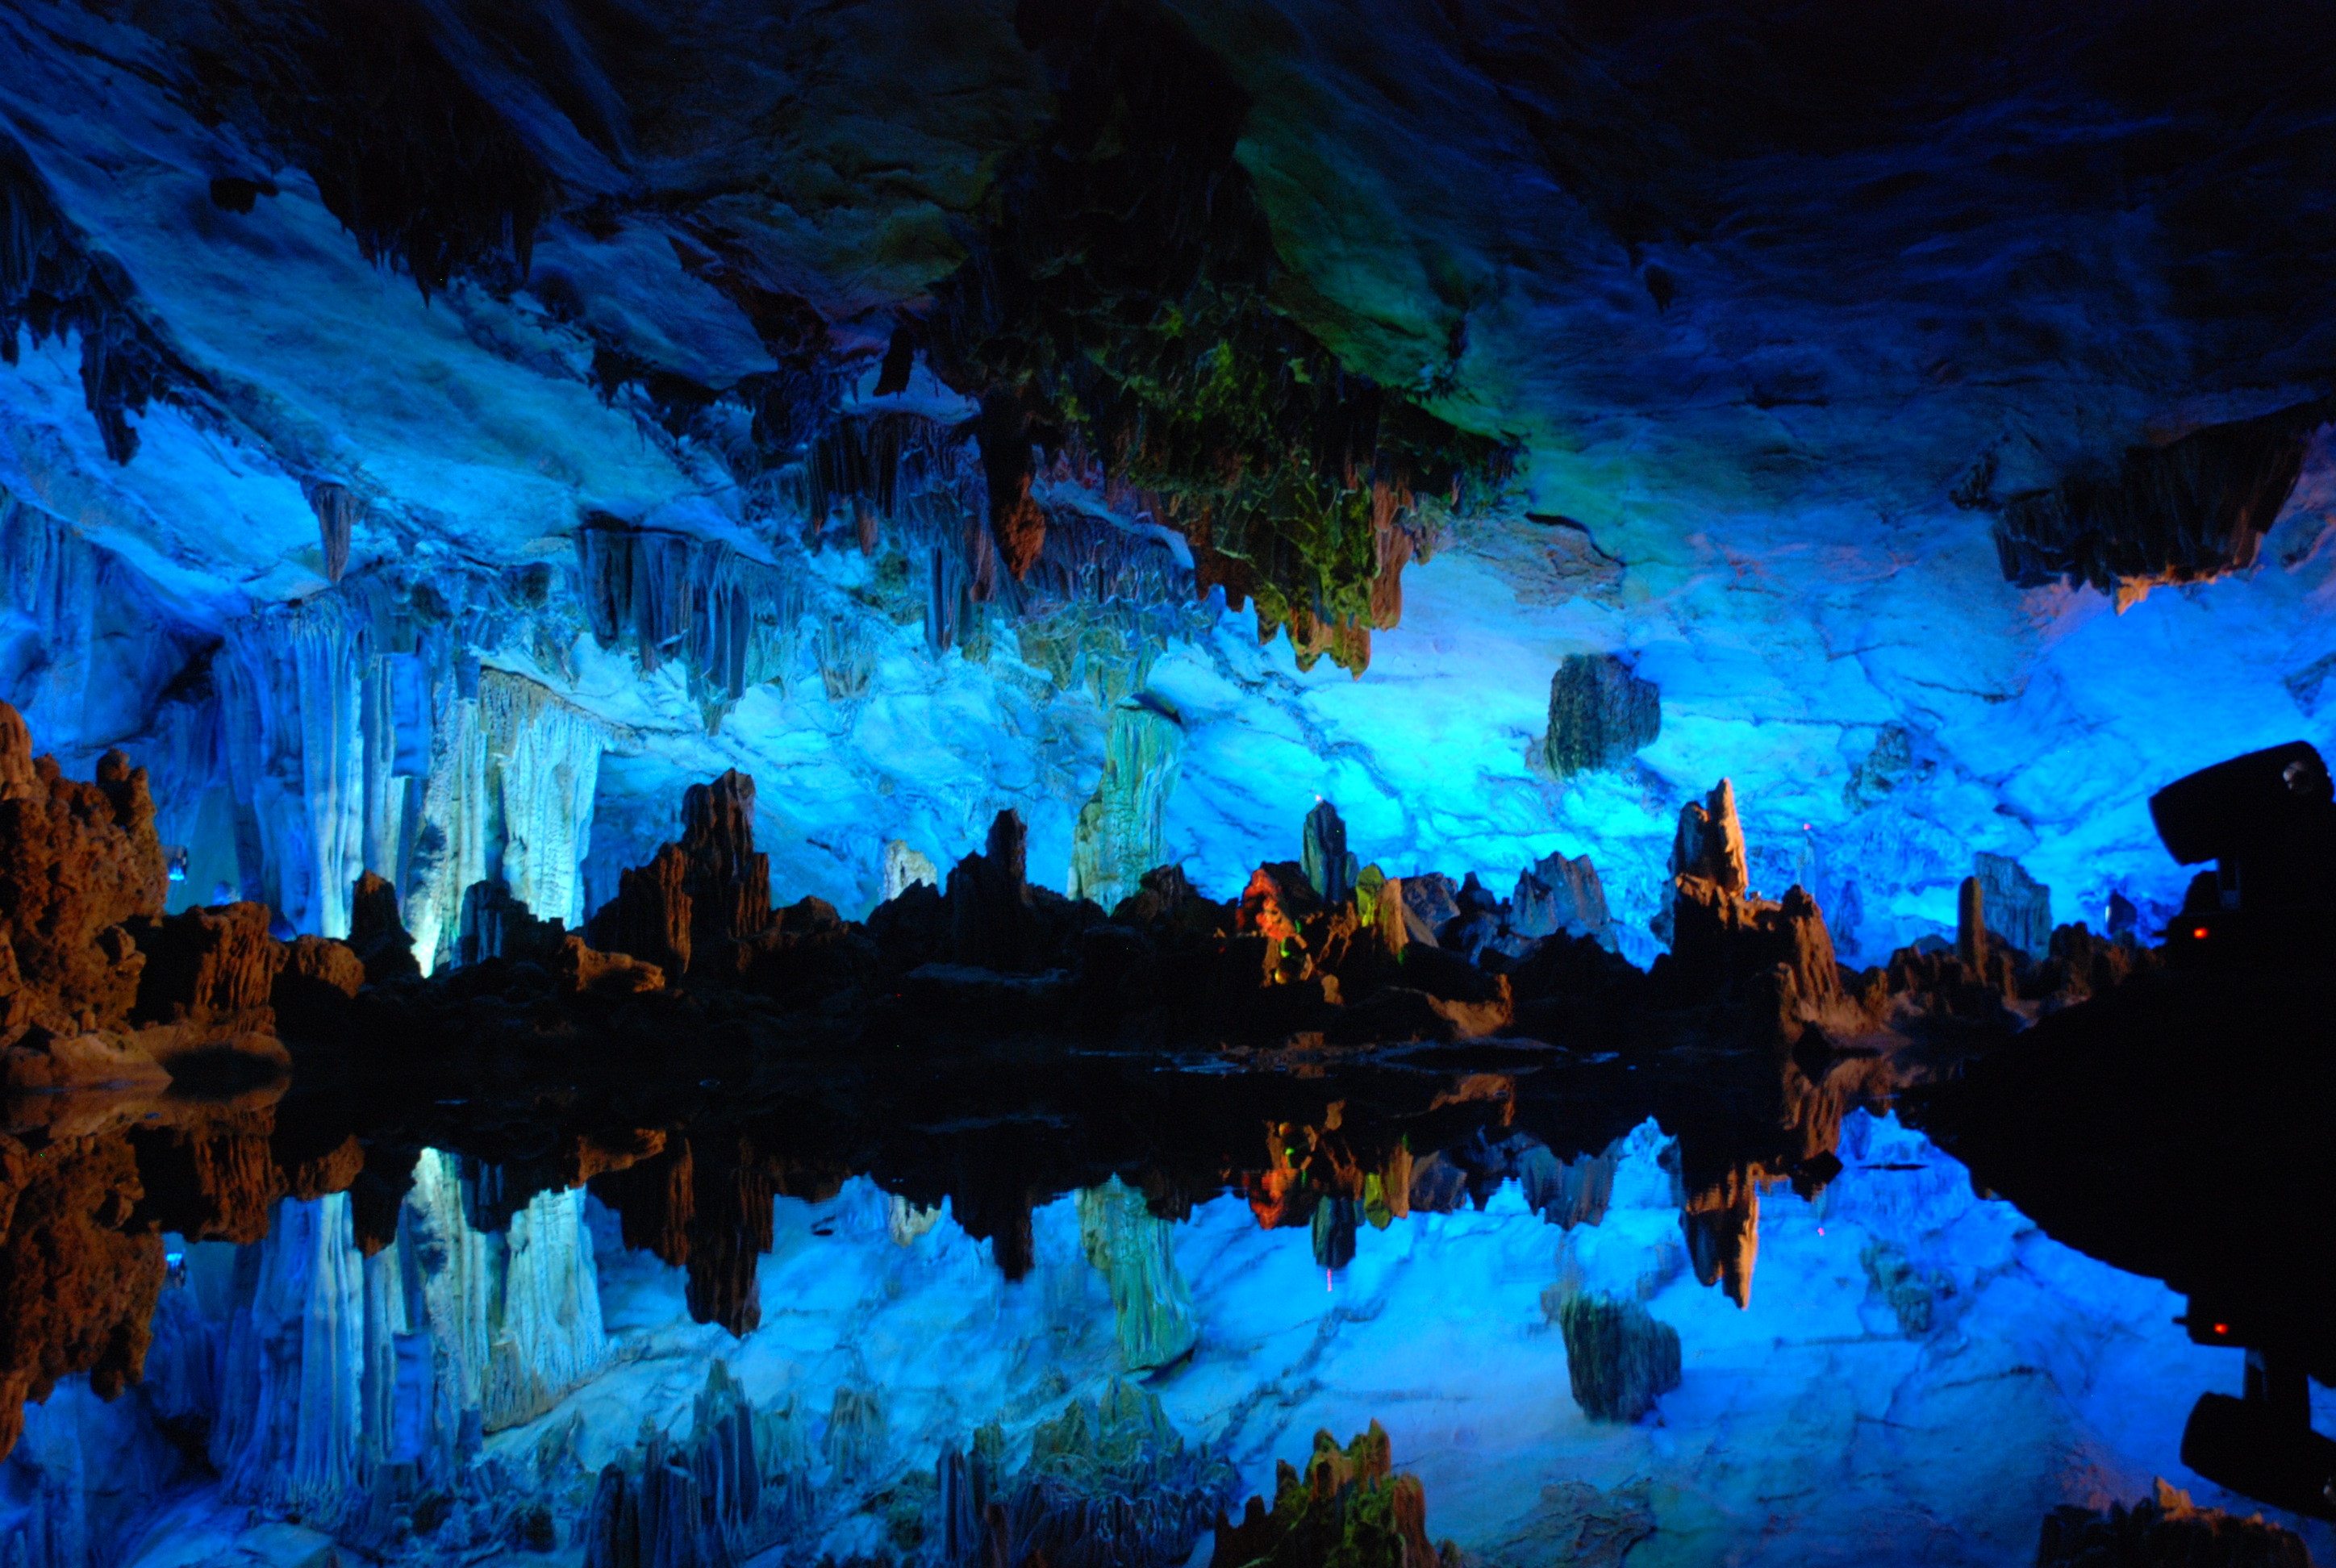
column 1927, row 400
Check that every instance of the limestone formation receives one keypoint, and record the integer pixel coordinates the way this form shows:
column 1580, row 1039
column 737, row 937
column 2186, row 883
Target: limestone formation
column 77, row 860
column 1620, row 1359
column 377, row 935
column 738, row 1485
column 579, row 970
column 208, row 966
column 697, row 902
column 2167, row 1528
column 905, row 868
column 1970, row 923
column 996, row 920
column 1133, row 1249
column 1558, row 894
column 1600, row 714
column 2188, row 511
column 1117, row 837
column 2019, row 906
column 497, row 924
column 77, row 1286
column 1721, row 1223
column 1110, row 1483
column 1350, row 1505
column 1330, row 866
column 320, row 977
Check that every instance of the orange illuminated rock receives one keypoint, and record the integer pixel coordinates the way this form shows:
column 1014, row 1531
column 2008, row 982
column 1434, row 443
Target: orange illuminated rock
column 77, row 860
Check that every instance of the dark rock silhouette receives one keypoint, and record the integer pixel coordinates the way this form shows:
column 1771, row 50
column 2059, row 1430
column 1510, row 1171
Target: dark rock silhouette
column 1600, row 714
column 1619, row 1359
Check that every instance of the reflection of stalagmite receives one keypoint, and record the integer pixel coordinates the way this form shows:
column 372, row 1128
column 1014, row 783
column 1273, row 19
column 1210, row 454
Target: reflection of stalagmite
column 854, row 1445
column 1723, row 1232
column 1111, row 1484
column 1133, row 1249
column 739, row 1483
column 517, row 1317
column 1570, row 1193
column 308, row 1390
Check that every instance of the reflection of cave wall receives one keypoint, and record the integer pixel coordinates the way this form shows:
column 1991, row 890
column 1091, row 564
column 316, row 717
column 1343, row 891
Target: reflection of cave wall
column 889, row 1341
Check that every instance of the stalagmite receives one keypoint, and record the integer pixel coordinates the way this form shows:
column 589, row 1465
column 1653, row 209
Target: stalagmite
column 1970, row 923
column 1118, row 836
column 905, row 868
column 2019, row 906
column 1330, row 866
column 1558, row 894
column 291, row 697
column 509, row 798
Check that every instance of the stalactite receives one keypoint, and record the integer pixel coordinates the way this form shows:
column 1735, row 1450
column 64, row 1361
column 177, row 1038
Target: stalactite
column 50, row 285
column 91, row 655
column 290, row 687
column 729, row 622
column 337, row 510
column 1600, row 714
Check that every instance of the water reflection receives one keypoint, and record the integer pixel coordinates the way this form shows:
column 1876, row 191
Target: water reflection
column 682, row 1345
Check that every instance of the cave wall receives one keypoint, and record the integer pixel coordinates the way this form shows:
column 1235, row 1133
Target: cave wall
column 355, row 543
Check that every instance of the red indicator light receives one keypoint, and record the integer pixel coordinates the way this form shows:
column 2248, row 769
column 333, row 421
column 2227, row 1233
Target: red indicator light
column 2200, row 933
column 2222, row 1328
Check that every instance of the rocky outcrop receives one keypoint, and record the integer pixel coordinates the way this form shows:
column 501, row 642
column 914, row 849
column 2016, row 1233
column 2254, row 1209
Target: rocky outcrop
column 1600, row 714
column 211, row 966
column 1348, row 1506
column 1618, row 1358
column 2165, row 1528
column 2019, row 906
column 1726, row 940
column 580, row 971
column 1330, row 866
column 77, row 863
column 320, row 977
column 496, row 924
column 377, row 935
column 695, row 905
column 1560, row 894
column 997, row 920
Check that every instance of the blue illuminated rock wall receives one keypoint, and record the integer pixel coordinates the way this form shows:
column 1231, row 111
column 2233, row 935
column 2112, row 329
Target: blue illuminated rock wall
column 1917, row 1375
